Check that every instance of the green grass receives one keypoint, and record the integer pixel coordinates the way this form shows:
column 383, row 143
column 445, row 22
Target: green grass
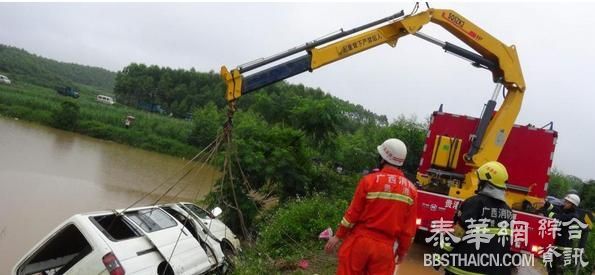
column 149, row 131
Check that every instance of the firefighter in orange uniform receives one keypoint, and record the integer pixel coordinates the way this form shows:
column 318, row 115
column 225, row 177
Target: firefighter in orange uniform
column 381, row 217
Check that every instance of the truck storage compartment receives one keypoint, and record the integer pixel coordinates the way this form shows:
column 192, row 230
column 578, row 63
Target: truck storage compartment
column 527, row 153
column 446, row 152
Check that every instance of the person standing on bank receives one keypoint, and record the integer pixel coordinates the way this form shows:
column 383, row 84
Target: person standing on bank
column 381, row 216
column 564, row 214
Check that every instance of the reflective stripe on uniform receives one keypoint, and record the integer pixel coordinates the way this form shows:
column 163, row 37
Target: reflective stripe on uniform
column 346, row 223
column 459, row 271
column 551, row 215
column 389, row 196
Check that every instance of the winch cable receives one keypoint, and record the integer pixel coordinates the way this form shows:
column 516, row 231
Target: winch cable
column 213, row 151
column 233, row 191
column 227, row 177
column 244, row 177
column 227, row 128
column 202, row 164
column 199, row 154
column 171, row 176
column 226, row 135
column 208, row 161
column 186, row 220
column 231, row 155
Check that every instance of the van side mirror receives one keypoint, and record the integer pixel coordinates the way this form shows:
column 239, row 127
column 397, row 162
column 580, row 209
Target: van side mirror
column 216, row 211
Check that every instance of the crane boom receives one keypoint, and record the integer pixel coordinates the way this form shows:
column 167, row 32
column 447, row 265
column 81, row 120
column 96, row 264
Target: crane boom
column 500, row 59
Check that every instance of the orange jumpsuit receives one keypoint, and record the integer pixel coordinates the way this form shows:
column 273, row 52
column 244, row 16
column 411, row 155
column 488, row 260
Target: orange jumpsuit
column 382, row 211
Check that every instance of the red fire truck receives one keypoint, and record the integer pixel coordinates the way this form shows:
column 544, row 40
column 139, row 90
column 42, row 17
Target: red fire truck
column 527, row 154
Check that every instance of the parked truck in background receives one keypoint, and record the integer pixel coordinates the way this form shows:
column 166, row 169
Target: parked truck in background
column 67, row 91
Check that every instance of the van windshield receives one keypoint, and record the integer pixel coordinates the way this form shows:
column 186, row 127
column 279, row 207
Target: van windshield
column 59, row 254
column 201, row 213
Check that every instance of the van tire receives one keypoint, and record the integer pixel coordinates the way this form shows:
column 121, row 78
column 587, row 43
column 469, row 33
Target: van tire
column 230, row 255
column 228, row 249
column 164, row 269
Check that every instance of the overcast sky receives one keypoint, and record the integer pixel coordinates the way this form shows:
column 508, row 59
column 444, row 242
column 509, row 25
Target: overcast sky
column 555, row 43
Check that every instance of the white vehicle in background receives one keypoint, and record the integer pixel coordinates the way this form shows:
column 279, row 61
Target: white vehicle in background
column 5, row 80
column 167, row 239
column 105, row 99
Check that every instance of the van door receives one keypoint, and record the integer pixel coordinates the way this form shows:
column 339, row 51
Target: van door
column 176, row 244
column 209, row 243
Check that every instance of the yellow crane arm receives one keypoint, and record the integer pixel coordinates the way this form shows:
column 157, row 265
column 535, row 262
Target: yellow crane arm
column 500, row 59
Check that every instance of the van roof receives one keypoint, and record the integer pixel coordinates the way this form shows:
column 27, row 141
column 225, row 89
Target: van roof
column 114, row 211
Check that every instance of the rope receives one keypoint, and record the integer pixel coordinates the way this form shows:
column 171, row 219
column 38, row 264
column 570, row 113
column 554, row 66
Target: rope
column 203, row 163
column 233, row 192
column 186, row 217
column 168, row 178
column 211, row 154
column 163, row 183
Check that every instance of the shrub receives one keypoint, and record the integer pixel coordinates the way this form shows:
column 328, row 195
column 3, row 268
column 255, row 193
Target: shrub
column 67, row 117
column 326, row 180
column 95, row 129
column 294, row 228
column 590, row 254
column 253, row 262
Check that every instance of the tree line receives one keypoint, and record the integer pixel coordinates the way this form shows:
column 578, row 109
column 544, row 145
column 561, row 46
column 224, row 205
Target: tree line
column 181, row 92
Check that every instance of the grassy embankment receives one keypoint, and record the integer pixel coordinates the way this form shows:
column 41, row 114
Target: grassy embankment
column 149, row 131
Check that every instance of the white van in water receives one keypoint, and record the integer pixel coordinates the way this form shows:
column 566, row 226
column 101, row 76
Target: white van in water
column 105, row 99
column 167, row 239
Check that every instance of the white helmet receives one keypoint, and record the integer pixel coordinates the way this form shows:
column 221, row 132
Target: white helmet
column 393, row 151
column 573, row 198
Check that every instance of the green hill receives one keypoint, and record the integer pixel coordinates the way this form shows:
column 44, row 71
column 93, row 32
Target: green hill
column 21, row 65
